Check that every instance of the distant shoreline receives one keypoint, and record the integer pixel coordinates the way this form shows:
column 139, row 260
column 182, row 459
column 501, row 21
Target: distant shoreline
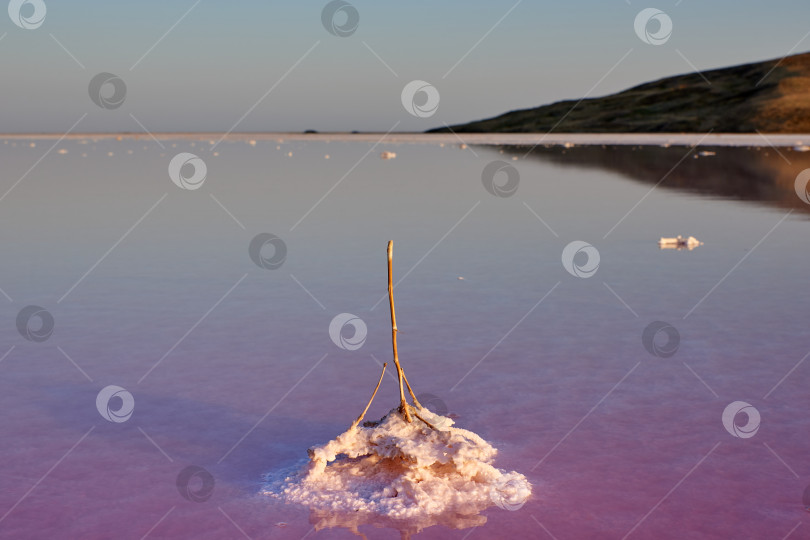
column 486, row 139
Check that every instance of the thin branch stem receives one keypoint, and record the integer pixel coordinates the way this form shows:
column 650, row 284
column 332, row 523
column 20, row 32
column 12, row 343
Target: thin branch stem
column 360, row 418
column 415, row 401
column 431, row 426
column 403, row 404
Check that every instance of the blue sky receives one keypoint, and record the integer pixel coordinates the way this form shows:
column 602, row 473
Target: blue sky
column 218, row 62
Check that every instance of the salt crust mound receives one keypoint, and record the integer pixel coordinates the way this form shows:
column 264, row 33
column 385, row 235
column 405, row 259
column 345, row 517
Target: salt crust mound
column 406, row 471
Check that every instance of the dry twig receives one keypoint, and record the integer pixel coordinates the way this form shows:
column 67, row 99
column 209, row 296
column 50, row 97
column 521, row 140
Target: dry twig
column 360, row 418
column 403, row 404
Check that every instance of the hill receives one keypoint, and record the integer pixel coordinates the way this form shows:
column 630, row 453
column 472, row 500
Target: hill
column 771, row 96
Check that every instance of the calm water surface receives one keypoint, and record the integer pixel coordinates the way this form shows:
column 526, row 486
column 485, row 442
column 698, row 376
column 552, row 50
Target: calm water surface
column 232, row 369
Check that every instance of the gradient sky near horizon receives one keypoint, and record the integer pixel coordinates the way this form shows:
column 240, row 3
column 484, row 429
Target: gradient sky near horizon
column 215, row 65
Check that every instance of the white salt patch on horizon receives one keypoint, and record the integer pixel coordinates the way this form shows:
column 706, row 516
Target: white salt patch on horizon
column 404, row 471
column 442, row 139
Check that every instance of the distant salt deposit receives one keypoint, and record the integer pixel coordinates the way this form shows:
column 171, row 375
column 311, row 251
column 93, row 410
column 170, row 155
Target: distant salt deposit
column 497, row 139
column 679, row 242
column 388, row 155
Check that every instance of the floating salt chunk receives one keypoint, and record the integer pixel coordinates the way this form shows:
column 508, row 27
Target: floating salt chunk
column 679, row 242
column 252, row 142
column 289, row 154
column 460, row 278
column 33, row 145
column 801, row 148
column 706, row 153
column 326, row 156
column 462, row 146
column 388, row 155
column 569, row 145
column 62, row 151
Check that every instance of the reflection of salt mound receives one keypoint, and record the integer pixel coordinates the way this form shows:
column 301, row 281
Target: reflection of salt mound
column 402, row 470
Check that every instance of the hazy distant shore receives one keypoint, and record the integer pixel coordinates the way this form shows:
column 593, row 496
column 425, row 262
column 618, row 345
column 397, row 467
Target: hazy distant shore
column 520, row 139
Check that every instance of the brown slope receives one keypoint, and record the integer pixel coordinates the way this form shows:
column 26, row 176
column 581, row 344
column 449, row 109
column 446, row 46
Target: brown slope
column 738, row 100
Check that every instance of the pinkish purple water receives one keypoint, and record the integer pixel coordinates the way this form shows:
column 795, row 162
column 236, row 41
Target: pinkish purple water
column 223, row 359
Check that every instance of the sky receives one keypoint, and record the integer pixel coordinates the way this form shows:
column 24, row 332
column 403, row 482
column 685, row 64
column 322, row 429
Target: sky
column 202, row 65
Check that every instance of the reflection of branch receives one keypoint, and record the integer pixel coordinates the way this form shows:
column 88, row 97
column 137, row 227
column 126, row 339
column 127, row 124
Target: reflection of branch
column 360, row 418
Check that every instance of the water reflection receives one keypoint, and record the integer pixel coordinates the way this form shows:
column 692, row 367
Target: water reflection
column 325, row 519
column 760, row 174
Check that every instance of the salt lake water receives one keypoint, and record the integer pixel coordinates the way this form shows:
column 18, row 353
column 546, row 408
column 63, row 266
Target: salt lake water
column 220, row 355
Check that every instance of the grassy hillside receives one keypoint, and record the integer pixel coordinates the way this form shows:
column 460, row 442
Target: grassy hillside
column 738, row 100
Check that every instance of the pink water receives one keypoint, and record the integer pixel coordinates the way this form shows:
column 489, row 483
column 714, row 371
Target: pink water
column 616, row 441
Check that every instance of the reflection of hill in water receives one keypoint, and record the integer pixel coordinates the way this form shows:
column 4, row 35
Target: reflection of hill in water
column 748, row 174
